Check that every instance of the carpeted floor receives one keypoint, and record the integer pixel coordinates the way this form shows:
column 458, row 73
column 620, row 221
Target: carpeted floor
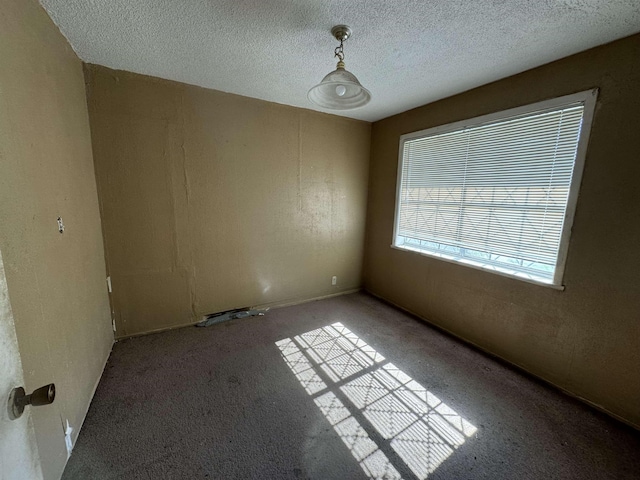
column 344, row 388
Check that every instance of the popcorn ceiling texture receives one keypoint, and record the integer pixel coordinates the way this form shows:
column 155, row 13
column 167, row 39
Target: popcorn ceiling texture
column 407, row 53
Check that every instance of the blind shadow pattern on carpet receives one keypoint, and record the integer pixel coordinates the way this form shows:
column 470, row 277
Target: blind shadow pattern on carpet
column 394, row 427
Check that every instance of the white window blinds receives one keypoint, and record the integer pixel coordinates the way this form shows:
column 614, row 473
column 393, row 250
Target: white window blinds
column 493, row 195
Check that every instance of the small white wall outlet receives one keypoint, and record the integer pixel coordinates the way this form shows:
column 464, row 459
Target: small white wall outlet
column 334, row 280
column 60, row 225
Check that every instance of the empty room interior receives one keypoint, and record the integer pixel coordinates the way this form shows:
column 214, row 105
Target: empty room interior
column 319, row 239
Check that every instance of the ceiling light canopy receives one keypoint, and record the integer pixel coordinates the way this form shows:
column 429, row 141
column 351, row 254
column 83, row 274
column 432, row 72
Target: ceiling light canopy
column 340, row 89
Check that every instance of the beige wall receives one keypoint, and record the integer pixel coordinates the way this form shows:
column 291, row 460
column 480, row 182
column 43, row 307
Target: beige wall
column 212, row 201
column 56, row 282
column 585, row 339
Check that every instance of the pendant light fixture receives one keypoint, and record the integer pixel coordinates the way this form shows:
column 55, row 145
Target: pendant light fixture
column 340, row 89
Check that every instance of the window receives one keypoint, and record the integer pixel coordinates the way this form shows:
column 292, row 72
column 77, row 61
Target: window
column 497, row 192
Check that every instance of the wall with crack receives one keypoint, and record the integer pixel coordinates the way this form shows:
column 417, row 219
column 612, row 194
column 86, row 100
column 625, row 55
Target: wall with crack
column 212, row 201
column 55, row 282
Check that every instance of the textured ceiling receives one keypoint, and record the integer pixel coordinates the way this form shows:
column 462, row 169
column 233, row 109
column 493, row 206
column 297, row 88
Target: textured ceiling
column 406, row 52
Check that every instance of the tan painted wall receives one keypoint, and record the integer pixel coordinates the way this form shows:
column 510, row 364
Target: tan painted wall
column 18, row 451
column 56, row 282
column 585, row 339
column 212, row 201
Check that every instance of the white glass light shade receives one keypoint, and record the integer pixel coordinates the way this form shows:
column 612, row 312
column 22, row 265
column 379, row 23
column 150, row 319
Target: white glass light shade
column 339, row 90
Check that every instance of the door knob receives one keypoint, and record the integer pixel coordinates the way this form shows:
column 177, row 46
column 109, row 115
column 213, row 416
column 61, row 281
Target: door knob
column 18, row 399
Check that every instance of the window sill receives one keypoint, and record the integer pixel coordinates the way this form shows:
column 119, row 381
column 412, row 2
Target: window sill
column 478, row 266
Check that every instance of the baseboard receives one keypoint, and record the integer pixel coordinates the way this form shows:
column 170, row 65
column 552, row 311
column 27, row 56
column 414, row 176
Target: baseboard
column 299, row 301
column 508, row 362
column 76, row 433
column 276, row 304
column 158, row 330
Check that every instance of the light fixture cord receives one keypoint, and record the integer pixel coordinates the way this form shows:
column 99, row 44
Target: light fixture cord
column 339, row 52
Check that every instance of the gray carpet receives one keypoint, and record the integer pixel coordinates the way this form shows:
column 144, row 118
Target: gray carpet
column 344, row 388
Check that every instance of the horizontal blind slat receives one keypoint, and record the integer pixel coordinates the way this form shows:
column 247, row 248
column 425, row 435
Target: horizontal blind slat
column 497, row 190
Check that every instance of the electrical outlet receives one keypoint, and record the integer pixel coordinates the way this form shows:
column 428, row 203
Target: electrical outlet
column 334, row 280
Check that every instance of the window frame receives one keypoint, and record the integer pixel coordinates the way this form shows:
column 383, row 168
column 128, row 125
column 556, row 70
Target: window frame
column 589, row 99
